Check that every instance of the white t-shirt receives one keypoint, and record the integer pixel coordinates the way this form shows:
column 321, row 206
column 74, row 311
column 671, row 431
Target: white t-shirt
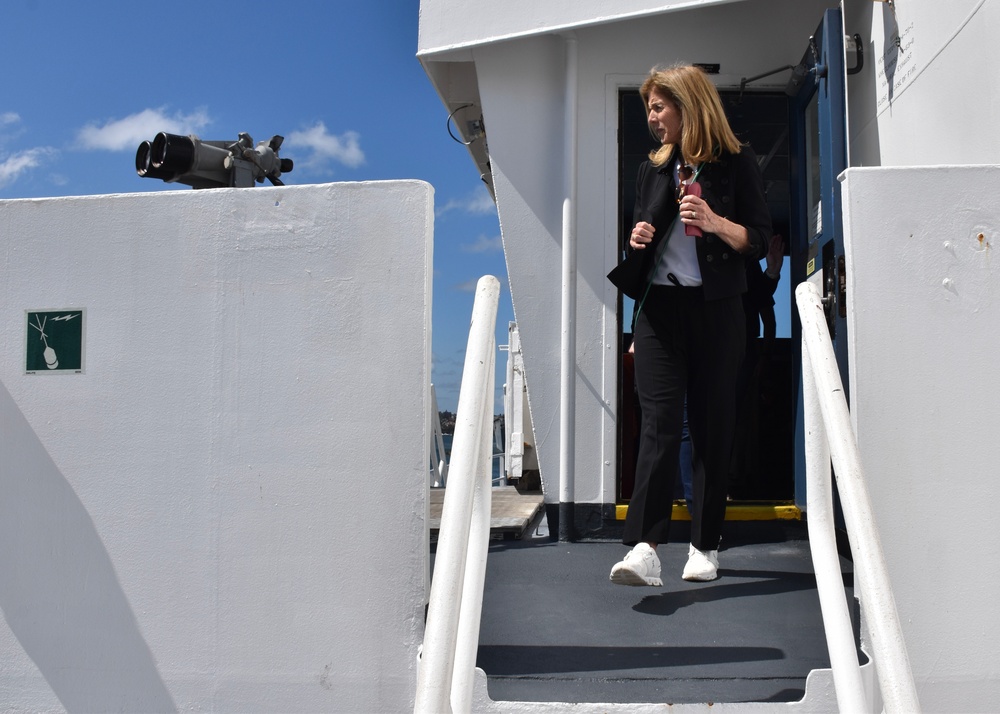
column 680, row 258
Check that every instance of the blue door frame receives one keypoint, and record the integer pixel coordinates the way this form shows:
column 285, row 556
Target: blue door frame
column 818, row 148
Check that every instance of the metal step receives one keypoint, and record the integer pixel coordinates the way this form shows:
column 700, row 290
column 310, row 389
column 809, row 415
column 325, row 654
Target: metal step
column 554, row 629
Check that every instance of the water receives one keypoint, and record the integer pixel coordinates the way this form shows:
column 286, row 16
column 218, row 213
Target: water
column 497, row 476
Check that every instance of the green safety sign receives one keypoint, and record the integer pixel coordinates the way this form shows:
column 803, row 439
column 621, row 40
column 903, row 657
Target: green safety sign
column 54, row 343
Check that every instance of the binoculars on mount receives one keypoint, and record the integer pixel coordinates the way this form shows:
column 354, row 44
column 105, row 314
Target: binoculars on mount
column 211, row 164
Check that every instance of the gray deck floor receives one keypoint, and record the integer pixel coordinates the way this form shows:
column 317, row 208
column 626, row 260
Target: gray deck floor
column 555, row 629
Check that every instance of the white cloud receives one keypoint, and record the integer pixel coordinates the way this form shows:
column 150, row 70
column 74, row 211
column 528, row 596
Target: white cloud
column 10, row 127
column 129, row 132
column 484, row 244
column 326, row 147
column 479, row 203
column 13, row 166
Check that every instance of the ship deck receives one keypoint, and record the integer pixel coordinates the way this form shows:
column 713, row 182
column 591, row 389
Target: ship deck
column 554, row 628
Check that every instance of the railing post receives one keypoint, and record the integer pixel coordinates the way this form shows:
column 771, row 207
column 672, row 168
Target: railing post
column 467, row 646
column 567, row 348
column 840, row 644
column 888, row 647
column 437, row 664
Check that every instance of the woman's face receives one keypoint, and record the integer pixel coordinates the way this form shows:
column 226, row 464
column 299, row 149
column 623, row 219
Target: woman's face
column 664, row 118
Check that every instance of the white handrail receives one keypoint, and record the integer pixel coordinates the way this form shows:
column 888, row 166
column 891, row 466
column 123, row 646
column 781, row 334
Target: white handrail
column 829, row 435
column 451, row 634
column 847, row 680
column 467, row 646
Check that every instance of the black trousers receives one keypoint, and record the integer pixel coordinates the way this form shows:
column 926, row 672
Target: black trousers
column 685, row 345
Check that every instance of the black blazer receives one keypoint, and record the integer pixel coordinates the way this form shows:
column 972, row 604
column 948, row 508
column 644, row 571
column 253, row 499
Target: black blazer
column 733, row 187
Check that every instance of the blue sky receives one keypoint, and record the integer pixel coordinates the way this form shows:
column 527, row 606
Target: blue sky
column 85, row 83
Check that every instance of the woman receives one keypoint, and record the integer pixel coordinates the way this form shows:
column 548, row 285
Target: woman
column 700, row 214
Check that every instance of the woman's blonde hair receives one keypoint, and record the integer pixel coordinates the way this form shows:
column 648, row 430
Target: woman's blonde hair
column 705, row 131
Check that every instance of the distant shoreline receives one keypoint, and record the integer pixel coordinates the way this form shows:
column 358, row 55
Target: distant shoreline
column 448, row 422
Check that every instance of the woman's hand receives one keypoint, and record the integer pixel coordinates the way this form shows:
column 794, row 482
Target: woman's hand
column 641, row 235
column 695, row 212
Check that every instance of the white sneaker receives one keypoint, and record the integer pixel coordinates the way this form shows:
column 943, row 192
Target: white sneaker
column 640, row 567
column 702, row 565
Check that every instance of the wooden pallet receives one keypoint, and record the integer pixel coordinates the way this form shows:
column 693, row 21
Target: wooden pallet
column 511, row 513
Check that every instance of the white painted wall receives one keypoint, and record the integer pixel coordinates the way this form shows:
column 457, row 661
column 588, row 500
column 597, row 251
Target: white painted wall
column 933, row 99
column 924, row 309
column 526, row 152
column 227, row 510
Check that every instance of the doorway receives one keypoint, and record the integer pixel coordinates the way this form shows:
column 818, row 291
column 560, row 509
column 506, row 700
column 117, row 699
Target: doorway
column 763, row 468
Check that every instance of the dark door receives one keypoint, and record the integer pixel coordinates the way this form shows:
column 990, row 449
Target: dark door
column 763, row 456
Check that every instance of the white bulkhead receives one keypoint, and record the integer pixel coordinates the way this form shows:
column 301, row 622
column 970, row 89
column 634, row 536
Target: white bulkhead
column 198, row 520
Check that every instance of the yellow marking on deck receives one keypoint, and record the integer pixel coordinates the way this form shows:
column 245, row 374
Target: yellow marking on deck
column 734, row 512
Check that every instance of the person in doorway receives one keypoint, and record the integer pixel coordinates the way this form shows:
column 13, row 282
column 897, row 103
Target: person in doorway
column 700, row 214
column 758, row 304
column 758, row 300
